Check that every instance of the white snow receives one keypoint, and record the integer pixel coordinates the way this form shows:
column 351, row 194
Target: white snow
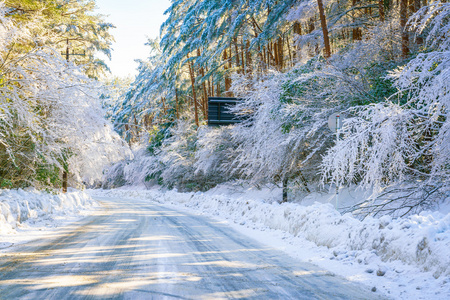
column 404, row 258
column 32, row 214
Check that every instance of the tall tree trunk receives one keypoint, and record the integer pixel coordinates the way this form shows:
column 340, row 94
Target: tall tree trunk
column 210, row 90
column 297, row 30
column 194, row 94
column 248, row 58
column 270, row 58
column 136, row 128
column 276, row 53
column 244, row 63
column 212, row 87
column 227, row 66
column 205, row 99
column 261, row 58
column 205, row 92
column 311, row 28
column 291, row 59
column 280, row 53
column 417, row 6
column 403, row 20
column 264, row 58
column 285, row 190
column 64, row 183
column 177, row 109
column 163, row 100
column 230, row 65
column 356, row 31
column 236, row 49
column 381, row 9
column 323, row 22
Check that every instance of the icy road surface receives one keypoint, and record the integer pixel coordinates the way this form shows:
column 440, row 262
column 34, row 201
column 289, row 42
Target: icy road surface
column 143, row 250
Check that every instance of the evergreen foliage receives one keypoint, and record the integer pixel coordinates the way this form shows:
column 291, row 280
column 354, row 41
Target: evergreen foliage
column 68, row 26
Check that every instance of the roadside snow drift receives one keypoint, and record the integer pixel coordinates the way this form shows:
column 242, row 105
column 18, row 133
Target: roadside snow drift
column 18, row 207
column 422, row 241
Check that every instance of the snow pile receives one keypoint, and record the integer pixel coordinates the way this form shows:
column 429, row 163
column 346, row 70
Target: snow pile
column 421, row 241
column 19, row 207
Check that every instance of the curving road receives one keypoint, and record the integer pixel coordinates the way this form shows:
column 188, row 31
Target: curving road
column 141, row 250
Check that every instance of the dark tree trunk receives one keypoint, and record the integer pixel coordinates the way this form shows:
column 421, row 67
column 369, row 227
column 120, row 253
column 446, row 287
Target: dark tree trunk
column 403, row 20
column 176, row 105
column 280, row 53
column 205, row 92
column 227, row 65
column 64, row 183
column 417, row 6
column 297, row 30
column 356, row 31
column 194, row 94
column 236, row 49
column 285, row 190
column 323, row 22
column 248, row 58
column 381, row 9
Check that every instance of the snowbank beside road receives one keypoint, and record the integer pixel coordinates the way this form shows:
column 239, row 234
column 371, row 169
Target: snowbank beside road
column 388, row 253
column 20, row 208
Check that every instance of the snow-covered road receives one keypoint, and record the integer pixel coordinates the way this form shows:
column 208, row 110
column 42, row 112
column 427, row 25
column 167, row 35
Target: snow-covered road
column 134, row 249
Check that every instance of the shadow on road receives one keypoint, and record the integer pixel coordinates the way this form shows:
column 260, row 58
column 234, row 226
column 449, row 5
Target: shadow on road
column 142, row 251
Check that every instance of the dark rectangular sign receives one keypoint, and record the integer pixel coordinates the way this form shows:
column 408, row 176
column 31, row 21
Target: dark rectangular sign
column 218, row 111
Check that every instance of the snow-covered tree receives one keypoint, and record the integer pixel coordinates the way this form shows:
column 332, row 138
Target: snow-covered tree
column 69, row 26
column 390, row 87
column 280, row 138
column 400, row 146
column 50, row 116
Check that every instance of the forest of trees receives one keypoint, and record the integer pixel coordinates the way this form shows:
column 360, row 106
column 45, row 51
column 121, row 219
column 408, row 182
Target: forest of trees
column 52, row 130
column 382, row 64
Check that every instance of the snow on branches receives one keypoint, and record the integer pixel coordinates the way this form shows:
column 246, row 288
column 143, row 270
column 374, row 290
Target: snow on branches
column 406, row 137
column 50, row 118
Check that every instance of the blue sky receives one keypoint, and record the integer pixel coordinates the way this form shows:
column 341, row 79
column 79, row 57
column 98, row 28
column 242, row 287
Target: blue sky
column 135, row 20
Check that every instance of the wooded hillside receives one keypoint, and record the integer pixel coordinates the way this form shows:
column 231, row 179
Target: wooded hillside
column 383, row 65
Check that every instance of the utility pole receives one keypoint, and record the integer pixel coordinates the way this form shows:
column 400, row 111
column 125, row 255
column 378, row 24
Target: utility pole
column 65, row 165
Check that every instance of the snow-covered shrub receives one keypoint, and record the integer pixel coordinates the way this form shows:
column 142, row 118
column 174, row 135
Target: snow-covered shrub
column 185, row 167
column 215, row 149
column 286, row 130
column 376, row 138
column 143, row 168
column 177, row 155
column 187, row 160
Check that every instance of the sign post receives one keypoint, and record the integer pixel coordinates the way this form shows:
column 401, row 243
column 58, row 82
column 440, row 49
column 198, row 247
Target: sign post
column 335, row 124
